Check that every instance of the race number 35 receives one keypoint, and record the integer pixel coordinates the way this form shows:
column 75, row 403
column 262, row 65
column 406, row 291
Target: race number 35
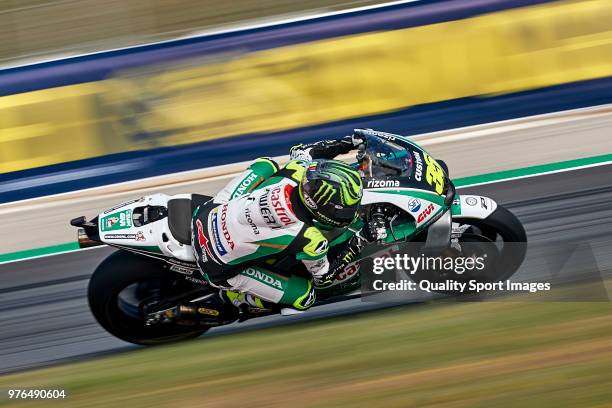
column 435, row 174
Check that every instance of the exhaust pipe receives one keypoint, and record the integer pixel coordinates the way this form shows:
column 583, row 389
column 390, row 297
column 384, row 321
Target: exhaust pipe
column 85, row 241
column 87, row 232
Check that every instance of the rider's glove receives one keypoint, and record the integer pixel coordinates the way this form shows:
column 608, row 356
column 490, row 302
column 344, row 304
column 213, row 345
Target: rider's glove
column 352, row 250
column 355, row 139
column 300, row 152
column 345, row 258
column 325, row 149
column 324, row 280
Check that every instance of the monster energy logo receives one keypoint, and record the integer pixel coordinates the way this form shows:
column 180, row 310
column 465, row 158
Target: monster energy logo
column 325, row 192
column 350, row 183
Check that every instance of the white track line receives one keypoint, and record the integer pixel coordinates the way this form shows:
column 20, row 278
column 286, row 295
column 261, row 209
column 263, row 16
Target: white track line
column 459, row 187
column 544, row 173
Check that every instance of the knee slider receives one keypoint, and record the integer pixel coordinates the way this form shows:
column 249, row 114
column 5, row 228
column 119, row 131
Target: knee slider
column 306, row 300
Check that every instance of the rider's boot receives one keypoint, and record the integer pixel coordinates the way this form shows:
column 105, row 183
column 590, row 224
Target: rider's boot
column 248, row 305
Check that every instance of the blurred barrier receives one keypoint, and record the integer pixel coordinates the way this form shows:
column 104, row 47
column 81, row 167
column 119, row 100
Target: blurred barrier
column 308, row 84
column 366, row 74
column 39, row 28
column 55, row 125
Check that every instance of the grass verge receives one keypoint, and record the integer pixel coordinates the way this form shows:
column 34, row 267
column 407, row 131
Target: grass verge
column 501, row 354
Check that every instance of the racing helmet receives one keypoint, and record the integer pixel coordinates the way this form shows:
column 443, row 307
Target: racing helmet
column 331, row 191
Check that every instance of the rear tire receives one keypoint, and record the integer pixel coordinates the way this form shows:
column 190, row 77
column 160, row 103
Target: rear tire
column 117, row 272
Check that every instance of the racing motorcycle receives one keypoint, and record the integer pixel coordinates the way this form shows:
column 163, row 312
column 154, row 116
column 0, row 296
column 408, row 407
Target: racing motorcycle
column 150, row 291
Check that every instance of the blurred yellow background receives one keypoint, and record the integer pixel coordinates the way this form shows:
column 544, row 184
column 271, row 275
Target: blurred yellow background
column 34, row 29
column 310, row 83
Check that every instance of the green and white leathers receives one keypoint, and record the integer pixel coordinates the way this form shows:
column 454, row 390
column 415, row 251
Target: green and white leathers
column 257, row 216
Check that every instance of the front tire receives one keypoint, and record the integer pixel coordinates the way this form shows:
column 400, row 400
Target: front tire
column 505, row 230
column 123, row 272
column 500, row 239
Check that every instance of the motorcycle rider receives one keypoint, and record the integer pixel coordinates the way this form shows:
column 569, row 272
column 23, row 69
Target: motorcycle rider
column 267, row 212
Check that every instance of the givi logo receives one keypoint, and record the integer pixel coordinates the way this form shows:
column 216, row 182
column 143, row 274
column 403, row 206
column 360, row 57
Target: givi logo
column 425, row 213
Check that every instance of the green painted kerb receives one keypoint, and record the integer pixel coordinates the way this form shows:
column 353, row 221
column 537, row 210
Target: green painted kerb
column 459, row 182
column 31, row 253
column 529, row 171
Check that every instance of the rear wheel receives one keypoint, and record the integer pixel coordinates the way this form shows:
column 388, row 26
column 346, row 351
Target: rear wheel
column 119, row 287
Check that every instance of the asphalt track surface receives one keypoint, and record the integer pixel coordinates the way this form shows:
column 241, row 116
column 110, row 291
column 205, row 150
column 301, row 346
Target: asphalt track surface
column 45, row 318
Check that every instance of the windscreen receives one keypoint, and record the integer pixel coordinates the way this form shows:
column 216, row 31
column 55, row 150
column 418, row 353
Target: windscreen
column 386, row 158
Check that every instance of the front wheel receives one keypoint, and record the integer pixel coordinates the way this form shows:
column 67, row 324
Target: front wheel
column 118, row 288
column 501, row 234
column 500, row 240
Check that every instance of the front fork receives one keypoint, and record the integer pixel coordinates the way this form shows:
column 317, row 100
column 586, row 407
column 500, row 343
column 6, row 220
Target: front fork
column 439, row 233
column 468, row 207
